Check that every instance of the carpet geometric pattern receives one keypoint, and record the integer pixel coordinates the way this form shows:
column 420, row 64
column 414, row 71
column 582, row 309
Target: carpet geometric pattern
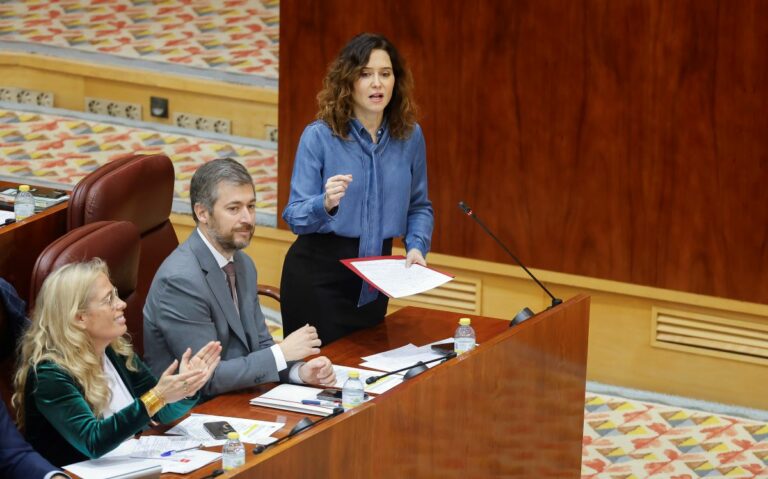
column 238, row 36
column 625, row 439
column 62, row 150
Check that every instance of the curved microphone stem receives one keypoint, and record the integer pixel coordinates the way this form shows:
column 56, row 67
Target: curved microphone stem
column 468, row 211
column 419, row 365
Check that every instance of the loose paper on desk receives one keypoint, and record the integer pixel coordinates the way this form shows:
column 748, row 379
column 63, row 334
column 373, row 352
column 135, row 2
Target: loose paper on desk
column 380, row 386
column 289, row 396
column 402, row 357
column 119, row 463
column 153, row 447
column 389, row 275
column 251, row 430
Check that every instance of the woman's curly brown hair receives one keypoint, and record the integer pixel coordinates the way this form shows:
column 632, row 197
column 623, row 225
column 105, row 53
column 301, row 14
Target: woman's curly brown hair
column 335, row 99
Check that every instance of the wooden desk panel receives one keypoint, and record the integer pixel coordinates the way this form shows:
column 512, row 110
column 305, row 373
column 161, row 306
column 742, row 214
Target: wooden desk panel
column 21, row 243
column 335, row 448
column 511, row 408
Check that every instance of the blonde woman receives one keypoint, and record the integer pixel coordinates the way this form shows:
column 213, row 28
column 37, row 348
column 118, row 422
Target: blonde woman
column 80, row 389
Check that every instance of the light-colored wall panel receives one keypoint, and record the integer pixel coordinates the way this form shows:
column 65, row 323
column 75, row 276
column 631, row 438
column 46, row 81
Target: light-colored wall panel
column 249, row 108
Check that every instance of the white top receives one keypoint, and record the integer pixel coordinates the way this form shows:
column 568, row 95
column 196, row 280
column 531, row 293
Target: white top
column 121, row 398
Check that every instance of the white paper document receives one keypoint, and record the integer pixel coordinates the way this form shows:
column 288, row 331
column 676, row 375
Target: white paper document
column 289, row 396
column 378, row 387
column 119, row 463
column 158, row 447
column 390, row 276
column 251, row 431
column 402, row 357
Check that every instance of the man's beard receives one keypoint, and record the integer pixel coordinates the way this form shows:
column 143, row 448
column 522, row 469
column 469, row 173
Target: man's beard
column 227, row 240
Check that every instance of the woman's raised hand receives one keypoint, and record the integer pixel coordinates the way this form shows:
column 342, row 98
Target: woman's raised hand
column 195, row 371
column 335, row 188
column 206, row 359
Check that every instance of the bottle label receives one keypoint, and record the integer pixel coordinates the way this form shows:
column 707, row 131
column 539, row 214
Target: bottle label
column 231, row 460
column 23, row 211
column 462, row 345
column 352, row 400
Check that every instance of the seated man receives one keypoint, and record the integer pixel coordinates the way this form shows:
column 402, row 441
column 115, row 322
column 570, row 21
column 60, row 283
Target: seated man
column 206, row 291
column 17, row 458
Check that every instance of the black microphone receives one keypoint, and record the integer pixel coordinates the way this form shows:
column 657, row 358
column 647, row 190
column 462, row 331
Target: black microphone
column 413, row 370
column 300, row 426
column 526, row 312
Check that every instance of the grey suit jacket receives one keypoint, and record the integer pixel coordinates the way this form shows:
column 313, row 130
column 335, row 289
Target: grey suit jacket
column 189, row 304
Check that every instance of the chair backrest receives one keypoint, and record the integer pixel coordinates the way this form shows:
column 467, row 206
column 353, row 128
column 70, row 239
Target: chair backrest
column 115, row 242
column 139, row 189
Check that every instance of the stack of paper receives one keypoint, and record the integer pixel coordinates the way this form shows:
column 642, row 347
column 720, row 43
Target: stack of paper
column 251, row 431
column 378, row 387
column 289, row 397
column 44, row 197
column 158, row 447
column 402, row 357
column 121, row 463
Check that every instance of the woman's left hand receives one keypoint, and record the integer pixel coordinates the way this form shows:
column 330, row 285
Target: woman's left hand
column 204, row 360
column 414, row 257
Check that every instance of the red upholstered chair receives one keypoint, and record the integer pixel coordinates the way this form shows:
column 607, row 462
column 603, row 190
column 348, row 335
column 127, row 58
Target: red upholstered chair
column 139, row 189
column 115, row 242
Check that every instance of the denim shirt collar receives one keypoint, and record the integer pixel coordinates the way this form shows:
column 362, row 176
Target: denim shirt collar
column 364, row 138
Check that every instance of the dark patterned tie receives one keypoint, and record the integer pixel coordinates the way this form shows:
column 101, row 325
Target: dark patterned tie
column 229, row 269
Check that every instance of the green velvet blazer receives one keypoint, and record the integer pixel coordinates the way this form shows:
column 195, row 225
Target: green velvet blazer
column 62, row 427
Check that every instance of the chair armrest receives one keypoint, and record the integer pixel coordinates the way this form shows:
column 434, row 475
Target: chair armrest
column 269, row 291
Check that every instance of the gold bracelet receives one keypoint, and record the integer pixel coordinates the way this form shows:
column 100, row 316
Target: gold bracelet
column 153, row 402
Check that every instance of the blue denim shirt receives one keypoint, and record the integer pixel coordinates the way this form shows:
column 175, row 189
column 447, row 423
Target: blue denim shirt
column 387, row 197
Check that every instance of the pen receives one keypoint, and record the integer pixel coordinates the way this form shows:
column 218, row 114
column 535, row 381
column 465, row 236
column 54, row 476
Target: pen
column 317, row 402
column 174, row 451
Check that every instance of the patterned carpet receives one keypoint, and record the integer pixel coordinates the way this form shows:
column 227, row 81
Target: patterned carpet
column 238, row 36
column 625, row 439
column 62, row 149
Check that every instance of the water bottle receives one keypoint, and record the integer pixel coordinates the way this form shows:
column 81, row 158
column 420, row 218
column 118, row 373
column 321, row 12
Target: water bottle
column 464, row 339
column 233, row 453
column 352, row 392
column 24, row 204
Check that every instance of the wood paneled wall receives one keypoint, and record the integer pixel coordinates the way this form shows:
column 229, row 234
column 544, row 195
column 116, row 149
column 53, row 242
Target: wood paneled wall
column 625, row 140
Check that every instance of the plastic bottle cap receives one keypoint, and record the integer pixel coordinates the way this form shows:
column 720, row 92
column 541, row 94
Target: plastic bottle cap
column 465, row 321
column 233, row 435
column 23, row 187
column 354, row 374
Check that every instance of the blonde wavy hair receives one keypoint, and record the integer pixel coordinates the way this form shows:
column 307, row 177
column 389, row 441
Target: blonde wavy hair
column 54, row 336
column 335, row 100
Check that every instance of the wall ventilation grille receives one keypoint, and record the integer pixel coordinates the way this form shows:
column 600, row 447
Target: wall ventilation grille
column 461, row 294
column 711, row 335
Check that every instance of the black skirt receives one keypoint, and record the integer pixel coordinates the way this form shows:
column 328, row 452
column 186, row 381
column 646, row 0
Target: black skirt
column 316, row 288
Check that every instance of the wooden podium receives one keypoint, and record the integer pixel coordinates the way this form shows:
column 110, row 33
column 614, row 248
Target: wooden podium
column 513, row 407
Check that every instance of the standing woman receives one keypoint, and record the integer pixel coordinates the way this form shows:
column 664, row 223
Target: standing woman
column 80, row 389
column 359, row 180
